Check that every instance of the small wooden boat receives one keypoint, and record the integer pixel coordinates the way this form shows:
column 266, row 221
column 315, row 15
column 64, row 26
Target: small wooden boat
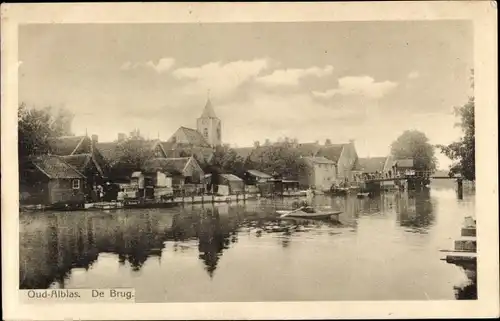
column 361, row 195
column 309, row 213
column 108, row 205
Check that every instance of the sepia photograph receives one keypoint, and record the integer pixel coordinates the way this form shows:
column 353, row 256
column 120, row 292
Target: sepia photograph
column 271, row 161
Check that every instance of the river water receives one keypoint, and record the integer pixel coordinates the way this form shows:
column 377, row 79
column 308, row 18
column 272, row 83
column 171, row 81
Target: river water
column 385, row 248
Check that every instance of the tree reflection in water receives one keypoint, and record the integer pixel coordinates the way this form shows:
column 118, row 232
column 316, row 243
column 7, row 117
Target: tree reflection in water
column 213, row 238
column 59, row 242
column 415, row 210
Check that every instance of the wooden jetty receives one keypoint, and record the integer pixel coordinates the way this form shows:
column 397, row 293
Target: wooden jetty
column 464, row 253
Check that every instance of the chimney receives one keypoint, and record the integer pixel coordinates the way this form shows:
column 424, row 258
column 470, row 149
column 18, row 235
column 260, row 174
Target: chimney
column 121, row 137
column 351, row 141
column 95, row 138
column 256, row 143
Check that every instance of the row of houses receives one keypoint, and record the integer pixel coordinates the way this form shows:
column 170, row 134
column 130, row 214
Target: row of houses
column 78, row 166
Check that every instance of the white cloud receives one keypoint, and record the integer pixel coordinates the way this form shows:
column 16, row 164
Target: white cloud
column 291, row 77
column 413, row 75
column 221, row 78
column 163, row 65
column 271, row 115
column 359, row 85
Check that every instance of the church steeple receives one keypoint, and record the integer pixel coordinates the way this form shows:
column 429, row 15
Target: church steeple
column 209, row 125
column 208, row 111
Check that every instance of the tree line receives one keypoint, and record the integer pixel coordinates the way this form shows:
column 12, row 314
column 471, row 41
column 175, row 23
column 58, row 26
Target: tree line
column 36, row 126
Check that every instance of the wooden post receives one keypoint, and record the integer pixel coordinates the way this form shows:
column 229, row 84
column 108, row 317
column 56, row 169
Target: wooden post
column 460, row 189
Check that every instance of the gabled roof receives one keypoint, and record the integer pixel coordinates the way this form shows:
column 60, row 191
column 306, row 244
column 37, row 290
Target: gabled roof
column 371, row 164
column 170, row 165
column 231, row 177
column 193, row 137
column 318, row 160
column 54, row 167
column 331, row 152
column 208, row 111
column 65, row 145
column 308, row 149
column 79, row 161
column 136, row 175
column 112, row 150
column 257, row 173
column 173, row 150
column 108, row 150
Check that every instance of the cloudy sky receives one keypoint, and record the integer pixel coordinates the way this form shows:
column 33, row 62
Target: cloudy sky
column 367, row 81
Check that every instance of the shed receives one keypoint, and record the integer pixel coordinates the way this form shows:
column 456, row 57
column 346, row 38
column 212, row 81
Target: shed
column 253, row 176
column 234, row 183
column 49, row 180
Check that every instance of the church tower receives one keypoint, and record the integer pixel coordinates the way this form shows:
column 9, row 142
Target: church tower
column 209, row 125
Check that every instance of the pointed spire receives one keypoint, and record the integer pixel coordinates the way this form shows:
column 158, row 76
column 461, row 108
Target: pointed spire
column 208, row 111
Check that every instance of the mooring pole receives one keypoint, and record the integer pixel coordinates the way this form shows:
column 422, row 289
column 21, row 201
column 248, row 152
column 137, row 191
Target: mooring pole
column 460, row 188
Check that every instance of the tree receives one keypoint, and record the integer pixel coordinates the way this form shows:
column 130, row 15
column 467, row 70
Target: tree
column 37, row 125
column 281, row 159
column 226, row 160
column 415, row 144
column 132, row 155
column 463, row 151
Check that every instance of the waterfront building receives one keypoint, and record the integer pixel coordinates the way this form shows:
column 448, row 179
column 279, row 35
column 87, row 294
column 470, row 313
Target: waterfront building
column 81, row 152
column 319, row 173
column 49, row 180
column 186, row 173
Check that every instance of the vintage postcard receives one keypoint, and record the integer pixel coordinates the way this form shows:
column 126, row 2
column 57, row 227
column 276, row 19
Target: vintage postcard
column 249, row 160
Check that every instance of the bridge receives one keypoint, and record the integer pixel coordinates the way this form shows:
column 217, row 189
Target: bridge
column 414, row 175
column 404, row 178
column 417, row 176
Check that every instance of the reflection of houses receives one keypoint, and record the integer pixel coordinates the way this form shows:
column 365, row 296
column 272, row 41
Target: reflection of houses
column 187, row 175
column 81, row 153
column 319, row 173
column 50, row 180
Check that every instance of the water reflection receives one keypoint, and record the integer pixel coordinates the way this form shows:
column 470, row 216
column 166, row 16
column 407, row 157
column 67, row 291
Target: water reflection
column 415, row 210
column 55, row 245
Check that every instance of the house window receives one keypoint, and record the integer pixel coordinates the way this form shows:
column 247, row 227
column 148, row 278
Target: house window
column 205, row 132
column 76, row 184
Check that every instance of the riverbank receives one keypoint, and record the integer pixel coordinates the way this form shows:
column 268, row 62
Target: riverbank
column 175, row 201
